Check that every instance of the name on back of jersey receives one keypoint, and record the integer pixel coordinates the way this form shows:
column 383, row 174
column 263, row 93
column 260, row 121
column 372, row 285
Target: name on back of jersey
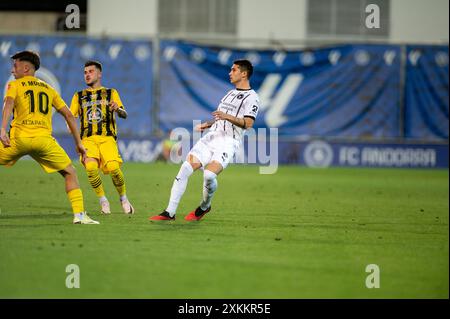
column 34, row 83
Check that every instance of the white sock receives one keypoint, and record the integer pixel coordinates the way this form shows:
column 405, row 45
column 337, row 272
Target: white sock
column 123, row 198
column 103, row 199
column 209, row 187
column 179, row 187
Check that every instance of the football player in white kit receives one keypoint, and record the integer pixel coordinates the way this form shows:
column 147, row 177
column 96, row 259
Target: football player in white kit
column 236, row 112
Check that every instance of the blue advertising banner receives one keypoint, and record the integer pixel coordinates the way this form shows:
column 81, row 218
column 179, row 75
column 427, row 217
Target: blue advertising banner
column 127, row 67
column 314, row 153
column 319, row 153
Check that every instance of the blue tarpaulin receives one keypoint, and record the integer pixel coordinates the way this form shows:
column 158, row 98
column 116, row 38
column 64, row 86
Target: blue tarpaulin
column 346, row 91
column 127, row 67
column 350, row 91
column 426, row 96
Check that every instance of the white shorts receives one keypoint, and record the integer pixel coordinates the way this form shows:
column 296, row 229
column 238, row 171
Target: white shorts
column 215, row 146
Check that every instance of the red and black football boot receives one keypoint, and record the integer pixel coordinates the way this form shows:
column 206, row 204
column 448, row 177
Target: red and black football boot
column 196, row 214
column 163, row 216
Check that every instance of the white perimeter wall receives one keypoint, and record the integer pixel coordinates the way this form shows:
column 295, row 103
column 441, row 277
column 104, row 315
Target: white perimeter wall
column 122, row 17
column 419, row 21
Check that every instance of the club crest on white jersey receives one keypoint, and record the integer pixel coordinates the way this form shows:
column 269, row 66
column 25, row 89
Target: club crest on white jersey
column 239, row 103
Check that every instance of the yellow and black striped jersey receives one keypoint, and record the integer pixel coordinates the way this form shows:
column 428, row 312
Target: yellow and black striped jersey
column 92, row 107
column 33, row 101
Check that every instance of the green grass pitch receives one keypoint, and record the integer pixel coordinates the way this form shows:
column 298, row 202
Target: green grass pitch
column 300, row 233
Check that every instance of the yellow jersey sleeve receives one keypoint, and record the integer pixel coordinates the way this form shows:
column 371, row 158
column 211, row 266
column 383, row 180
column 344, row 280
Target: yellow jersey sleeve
column 116, row 98
column 58, row 102
column 74, row 105
column 11, row 90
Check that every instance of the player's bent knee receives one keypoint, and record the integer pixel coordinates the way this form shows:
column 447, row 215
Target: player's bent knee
column 214, row 167
column 194, row 162
column 112, row 166
column 91, row 165
column 69, row 170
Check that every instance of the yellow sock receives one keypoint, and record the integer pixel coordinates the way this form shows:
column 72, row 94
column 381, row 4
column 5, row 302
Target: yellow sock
column 118, row 181
column 76, row 200
column 94, row 178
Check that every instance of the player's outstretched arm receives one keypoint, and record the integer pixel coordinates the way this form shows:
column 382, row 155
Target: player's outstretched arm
column 245, row 123
column 71, row 123
column 8, row 106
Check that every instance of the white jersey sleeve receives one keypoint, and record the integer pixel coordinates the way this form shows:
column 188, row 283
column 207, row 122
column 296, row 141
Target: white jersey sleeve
column 251, row 106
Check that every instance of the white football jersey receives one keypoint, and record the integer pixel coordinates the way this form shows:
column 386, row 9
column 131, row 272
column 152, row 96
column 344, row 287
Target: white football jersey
column 239, row 103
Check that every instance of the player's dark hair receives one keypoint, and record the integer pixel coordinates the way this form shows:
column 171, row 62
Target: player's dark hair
column 97, row 64
column 245, row 66
column 28, row 56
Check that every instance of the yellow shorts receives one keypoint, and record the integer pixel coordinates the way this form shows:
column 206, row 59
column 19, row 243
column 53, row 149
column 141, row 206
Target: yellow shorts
column 103, row 149
column 43, row 149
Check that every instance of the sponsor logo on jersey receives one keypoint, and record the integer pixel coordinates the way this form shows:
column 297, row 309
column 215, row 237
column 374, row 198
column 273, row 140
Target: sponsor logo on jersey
column 94, row 115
